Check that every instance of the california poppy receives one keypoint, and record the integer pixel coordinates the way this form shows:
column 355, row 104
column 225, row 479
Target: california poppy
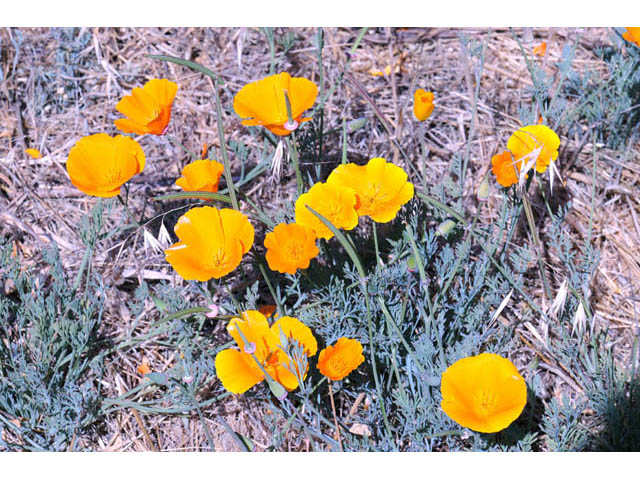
column 263, row 102
column 337, row 361
column 148, row 109
column 99, row 165
column 527, row 140
column 505, row 168
column 335, row 203
column 238, row 370
column 33, row 153
column 422, row 104
column 212, row 243
column 381, row 188
column 632, row 35
column 484, row 393
column 290, row 247
column 201, row 176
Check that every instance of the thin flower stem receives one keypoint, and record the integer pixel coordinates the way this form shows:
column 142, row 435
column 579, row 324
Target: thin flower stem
column 375, row 243
column 538, row 246
column 126, row 208
column 273, row 292
column 223, row 145
column 335, row 417
column 291, row 145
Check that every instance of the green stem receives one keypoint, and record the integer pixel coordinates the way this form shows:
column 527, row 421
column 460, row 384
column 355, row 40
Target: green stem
column 536, row 242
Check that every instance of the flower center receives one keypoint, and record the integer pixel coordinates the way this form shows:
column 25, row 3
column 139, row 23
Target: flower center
column 338, row 364
column 486, row 402
column 295, row 251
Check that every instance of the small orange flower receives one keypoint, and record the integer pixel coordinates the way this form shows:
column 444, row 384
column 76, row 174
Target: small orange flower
column 201, row 176
column 143, row 368
column 632, row 35
column 484, row 393
column 526, row 140
column 381, row 188
column 148, row 109
column 290, row 247
column 212, row 243
column 263, row 102
column 505, row 168
column 422, row 104
column 33, row 153
column 338, row 361
column 99, row 165
column 238, row 370
column 540, row 49
column 335, row 203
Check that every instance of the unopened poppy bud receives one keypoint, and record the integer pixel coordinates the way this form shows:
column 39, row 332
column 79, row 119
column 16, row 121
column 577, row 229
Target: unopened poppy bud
column 483, row 190
column 445, row 227
column 357, row 124
column 412, row 264
column 278, row 390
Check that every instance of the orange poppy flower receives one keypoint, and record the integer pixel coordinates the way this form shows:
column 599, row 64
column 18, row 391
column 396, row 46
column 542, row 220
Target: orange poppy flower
column 335, row 203
column 381, row 188
column 337, row 361
column 422, row 104
column 33, row 153
column 99, row 165
column 263, row 102
column 505, row 168
column 540, row 49
column 212, row 243
column 484, row 393
column 238, row 370
column 526, row 140
column 632, row 35
column 201, row 176
column 144, row 368
column 290, row 247
column 148, row 109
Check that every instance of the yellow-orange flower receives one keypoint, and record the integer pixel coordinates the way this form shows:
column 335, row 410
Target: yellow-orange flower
column 290, row 247
column 422, row 104
column 540, row 49
column 333, row 202
column 269, row 310
column 505, row 168
column 148, row 109
column 212, row 243
column 238, row 370
column 337, row 361
column 201, row 176
column 527, row 139
column 33, row 153
column 99, row 165
column 484, row 393
column 632, row 35
column 381, row 188
column 263, row 102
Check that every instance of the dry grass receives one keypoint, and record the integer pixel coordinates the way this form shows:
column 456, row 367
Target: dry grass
column 42, row 107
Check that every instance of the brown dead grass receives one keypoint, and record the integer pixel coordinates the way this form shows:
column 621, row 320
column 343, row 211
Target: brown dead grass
column 39, row 206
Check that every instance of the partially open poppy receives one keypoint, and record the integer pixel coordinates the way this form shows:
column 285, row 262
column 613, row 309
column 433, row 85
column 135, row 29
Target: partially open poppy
column 99, row 165
column 263, row 102
column 290, row 247
column 505, row 168
column 238, row 370
column 201, row 176
column 381, row 188
column 334, row 202
column 212, row 243
column 526, row 140
column 422, row 104
column 337, row 361
column 148, row 109
column 484, row 393
column 632, row 35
